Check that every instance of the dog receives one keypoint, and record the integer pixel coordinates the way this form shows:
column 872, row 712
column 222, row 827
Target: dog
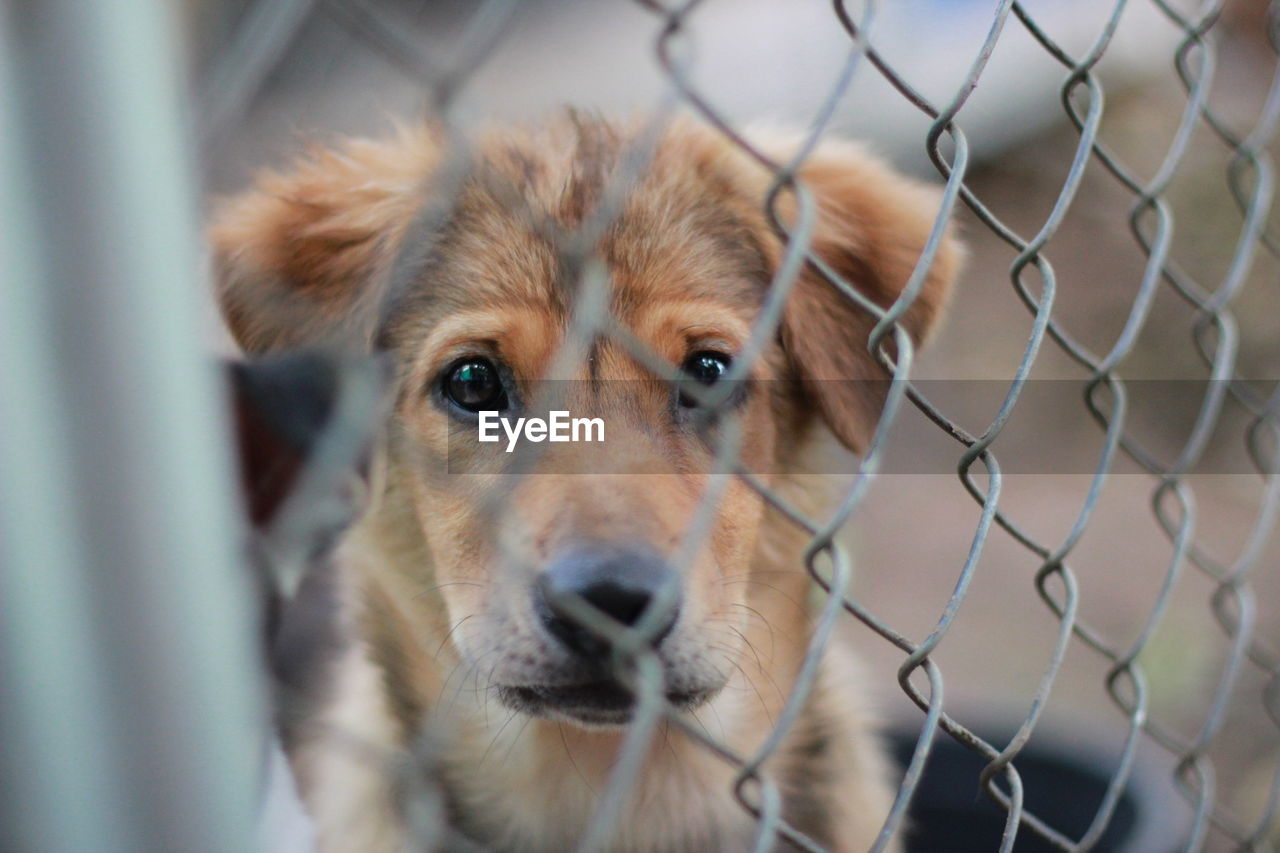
column 464, row 650
column 303, row 423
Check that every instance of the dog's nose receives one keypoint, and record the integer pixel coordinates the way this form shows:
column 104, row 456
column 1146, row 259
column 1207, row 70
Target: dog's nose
column 621, row 583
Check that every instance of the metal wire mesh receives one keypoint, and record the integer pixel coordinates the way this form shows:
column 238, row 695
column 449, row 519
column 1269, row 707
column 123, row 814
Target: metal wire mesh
column 1247, row 689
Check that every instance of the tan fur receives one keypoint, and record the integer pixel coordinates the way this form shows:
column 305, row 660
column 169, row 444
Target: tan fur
column 435, row 598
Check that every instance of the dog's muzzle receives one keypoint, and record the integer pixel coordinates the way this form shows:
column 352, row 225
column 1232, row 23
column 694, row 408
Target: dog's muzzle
column 621, row 587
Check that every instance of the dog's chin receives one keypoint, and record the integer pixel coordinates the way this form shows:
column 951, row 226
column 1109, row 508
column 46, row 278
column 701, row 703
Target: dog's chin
column 600, row 704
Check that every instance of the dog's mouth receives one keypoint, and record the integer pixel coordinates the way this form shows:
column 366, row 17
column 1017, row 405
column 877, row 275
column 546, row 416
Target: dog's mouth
column 600, row 703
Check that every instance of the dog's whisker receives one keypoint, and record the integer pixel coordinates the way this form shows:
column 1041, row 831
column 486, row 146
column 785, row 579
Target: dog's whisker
column 569, row 754
column 489, row 686
column 755, row 582
column 496, row 737
column 437, row 587
column 702, row 725
column 449, row 633
column 749, row 645
column 768, row 674
column 515, row 741
column 468, row 669
column 665, row 728
column 752, row 612
column 448, row 678
column 764, row 706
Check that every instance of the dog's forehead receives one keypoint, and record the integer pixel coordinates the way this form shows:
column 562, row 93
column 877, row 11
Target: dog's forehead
column 674, row 230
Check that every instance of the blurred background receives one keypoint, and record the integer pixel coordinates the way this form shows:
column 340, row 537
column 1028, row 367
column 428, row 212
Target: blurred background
column 268, row 78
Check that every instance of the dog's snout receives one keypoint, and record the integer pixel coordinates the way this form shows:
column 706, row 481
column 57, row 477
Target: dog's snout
column 621, row 583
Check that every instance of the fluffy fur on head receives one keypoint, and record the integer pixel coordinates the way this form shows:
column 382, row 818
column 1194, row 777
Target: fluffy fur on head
column 444, row 593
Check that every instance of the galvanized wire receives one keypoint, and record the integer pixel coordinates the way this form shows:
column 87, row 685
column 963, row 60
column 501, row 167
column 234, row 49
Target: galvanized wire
column 1105, row 397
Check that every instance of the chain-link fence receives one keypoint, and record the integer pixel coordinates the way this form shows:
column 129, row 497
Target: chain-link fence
column 1057, row 537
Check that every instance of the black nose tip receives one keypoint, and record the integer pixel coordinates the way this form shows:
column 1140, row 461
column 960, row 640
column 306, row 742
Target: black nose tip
column 619, row 582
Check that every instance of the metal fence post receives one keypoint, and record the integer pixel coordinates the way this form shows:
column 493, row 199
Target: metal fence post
column 128, row 716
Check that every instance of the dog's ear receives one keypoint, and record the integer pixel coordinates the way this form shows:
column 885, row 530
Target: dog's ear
column 297, row 258
column 872, row 226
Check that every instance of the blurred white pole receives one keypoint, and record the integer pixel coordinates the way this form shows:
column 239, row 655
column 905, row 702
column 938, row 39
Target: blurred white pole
column 129, row 718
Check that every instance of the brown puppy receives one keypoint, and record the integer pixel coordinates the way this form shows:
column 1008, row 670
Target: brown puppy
column 458, row 570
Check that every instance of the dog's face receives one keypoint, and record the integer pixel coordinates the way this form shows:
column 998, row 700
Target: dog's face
column 487, row 296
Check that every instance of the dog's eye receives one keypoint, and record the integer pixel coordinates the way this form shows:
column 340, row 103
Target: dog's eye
column 705, row 367
column 474, row 384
